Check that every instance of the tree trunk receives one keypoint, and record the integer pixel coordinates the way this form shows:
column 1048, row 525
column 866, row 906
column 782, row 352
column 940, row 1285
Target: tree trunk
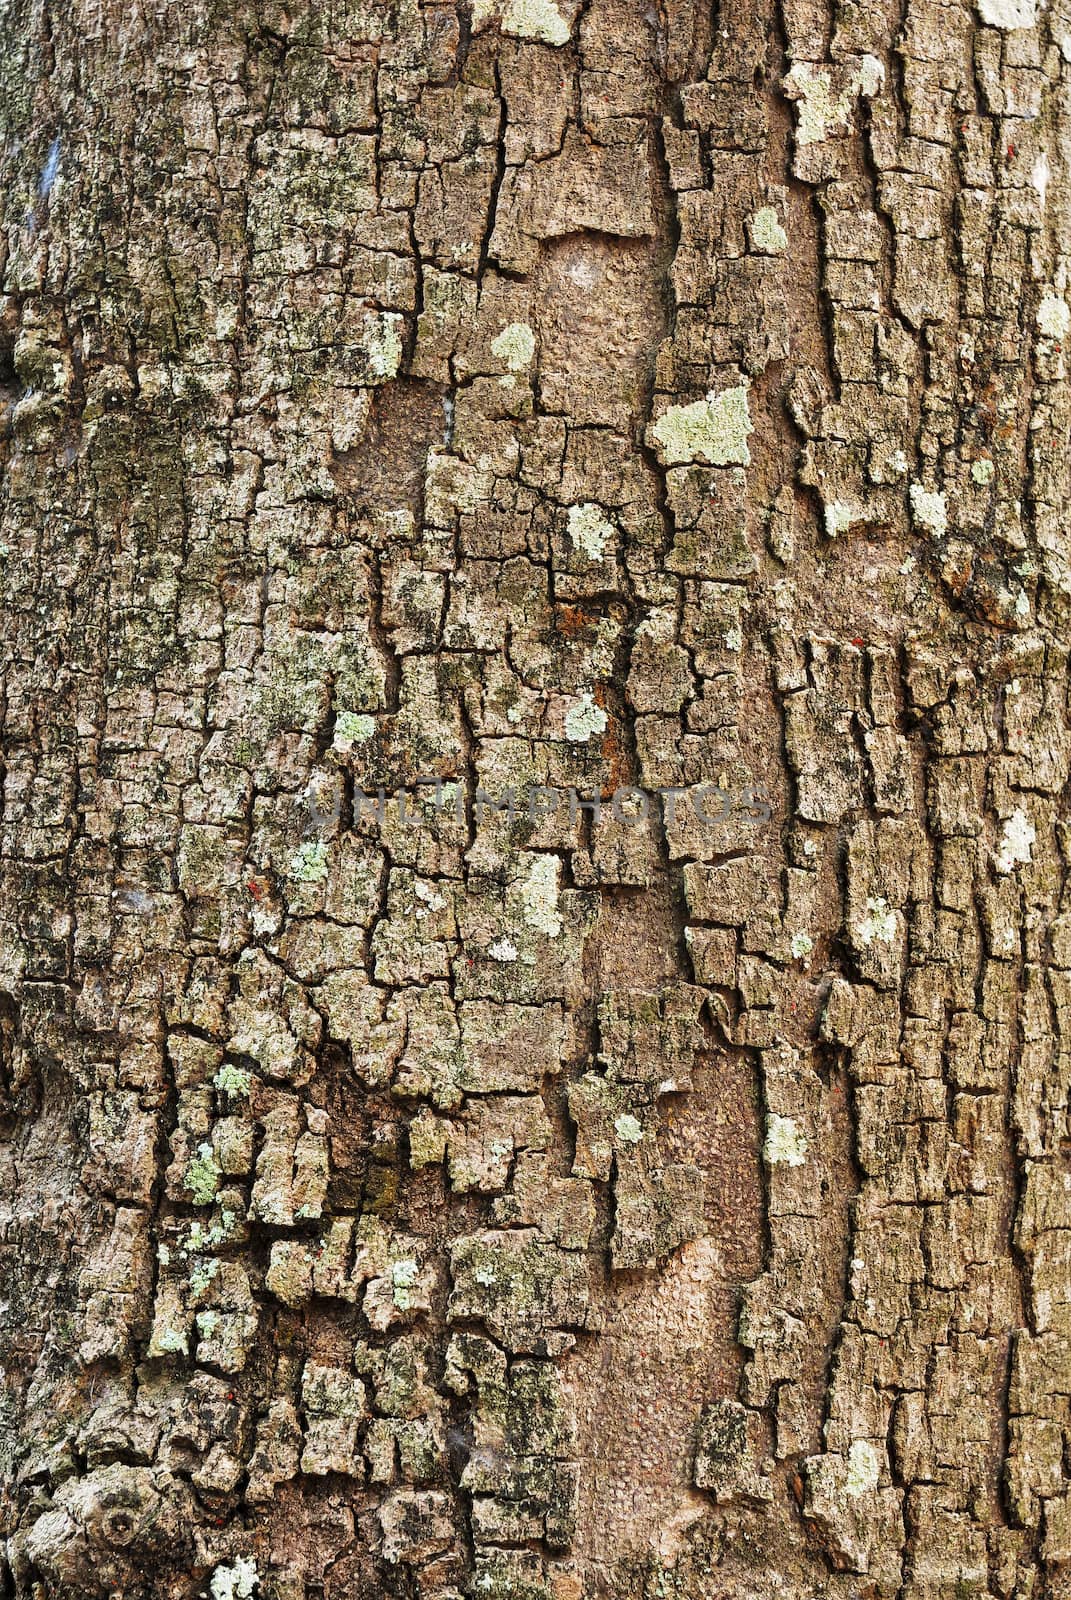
column 535, row 939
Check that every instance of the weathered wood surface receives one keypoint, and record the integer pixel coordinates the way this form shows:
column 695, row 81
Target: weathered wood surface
column 613, row 396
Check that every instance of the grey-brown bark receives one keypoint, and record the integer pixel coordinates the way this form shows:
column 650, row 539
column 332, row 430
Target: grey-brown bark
column 615, row 400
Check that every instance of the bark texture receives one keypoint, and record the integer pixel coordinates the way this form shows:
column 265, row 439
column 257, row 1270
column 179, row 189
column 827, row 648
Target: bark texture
column 535, row 393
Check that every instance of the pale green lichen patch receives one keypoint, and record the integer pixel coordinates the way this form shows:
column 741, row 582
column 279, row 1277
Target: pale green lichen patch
column 535, row 19
column 1017, row 842
column 584, row 719
column 353, row 727
column 714, row 430
column 172, row 1342
column 767, row 235
column 202, row 1275
column 929, row 509
column 308, row 864
column 403, row 1275
column 1054, row 316
column 232, row 1080
column 878, row 925
column 589, row 530
column 785, row 1145
column 819, row 109
column 515, row 346
column 864, row 1469
column 427, row 1140
column 201, row 1238
column 382, row 343
column 628, row 1128
column 982, row 471
column 823, row 110
column 202, row 1175
column 539, row 896
column 802, row 945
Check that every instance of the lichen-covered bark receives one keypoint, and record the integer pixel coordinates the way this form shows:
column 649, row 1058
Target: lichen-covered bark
column 426, row 1201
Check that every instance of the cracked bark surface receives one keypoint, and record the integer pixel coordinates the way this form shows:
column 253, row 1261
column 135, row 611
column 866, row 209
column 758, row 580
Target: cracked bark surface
column 595, row 397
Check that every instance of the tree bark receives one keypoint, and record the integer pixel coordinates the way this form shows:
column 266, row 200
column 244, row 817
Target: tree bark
column 656, row 415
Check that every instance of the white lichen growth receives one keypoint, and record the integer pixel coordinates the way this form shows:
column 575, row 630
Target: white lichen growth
column 235, row 1582
column 589, row 530
column 403, row 1275
column 1040, row 174
column 503, row 950
column 1017, row 842
column 929, row 509
column 535, row 19
column 1008, row 14
column 1054, row 316
column 627, row 1128
column 200, row 1238
column 864, row 1468
column 1010, row 602
column 982, row 471
column 430, row 896
column 353, row 727
column 202, row 1274
column 202, row 1175
column 822, row 110
column 870, row 77
column 515, row 345
column 714, row 430
column 172, row 1342
column 879, row 923
column 819, row 109
column 802, row 945
column 308, row 864
column 839, row 518
column 584, row 719
column 767, row 234
column 539, row 896
column 785, row 1145
column 232, row 1080
column 383, row 345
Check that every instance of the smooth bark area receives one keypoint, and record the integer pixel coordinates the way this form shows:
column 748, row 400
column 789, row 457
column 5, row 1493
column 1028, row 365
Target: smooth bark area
column 659, row 1189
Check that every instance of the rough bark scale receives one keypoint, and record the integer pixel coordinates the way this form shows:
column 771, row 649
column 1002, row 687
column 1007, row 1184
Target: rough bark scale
column 533, row 394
